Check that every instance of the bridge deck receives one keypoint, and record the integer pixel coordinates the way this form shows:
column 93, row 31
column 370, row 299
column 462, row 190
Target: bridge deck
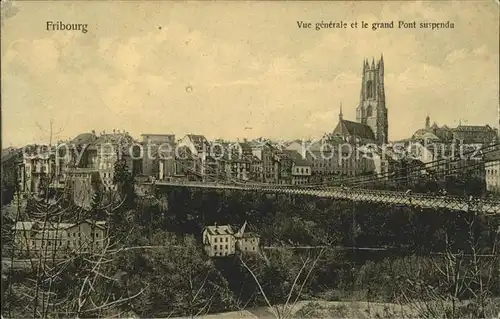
column 363, row 195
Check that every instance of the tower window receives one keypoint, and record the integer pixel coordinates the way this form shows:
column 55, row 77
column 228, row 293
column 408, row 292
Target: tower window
column 369, row 111
column 369, row 89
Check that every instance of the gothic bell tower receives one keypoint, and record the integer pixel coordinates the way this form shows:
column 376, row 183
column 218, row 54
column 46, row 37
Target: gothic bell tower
column 371, row 109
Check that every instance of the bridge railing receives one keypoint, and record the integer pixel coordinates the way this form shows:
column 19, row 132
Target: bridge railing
column 347, row 192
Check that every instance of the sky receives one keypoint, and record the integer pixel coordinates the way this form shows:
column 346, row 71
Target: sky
column 240, row 69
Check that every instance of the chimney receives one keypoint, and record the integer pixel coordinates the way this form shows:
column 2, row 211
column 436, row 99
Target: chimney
column 341, row 116
column 215, row 224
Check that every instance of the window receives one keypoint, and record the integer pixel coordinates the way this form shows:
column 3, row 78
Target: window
column 215, row 247
column 220, row 246
column 369, row 111
column 369, row 89
column 215, row 240
column 226, row 239
column 226, row 247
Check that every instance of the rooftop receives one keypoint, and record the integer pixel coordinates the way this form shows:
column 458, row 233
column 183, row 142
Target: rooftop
column 163, row 135
column 474, row 128
column 355, row 129
column 36, row 225
column 199, row 141
column 493, row 156
column 114, row 138
column 220, row 230
column 84, row 138
column 249, row 235
column 297, row 158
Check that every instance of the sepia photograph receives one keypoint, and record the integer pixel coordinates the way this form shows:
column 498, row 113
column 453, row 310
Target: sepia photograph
column 250, row 159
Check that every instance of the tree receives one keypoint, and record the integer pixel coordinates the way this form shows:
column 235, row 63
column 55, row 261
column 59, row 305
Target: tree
column 282, row 290
column 458, row 283
column 176, row 278
column 123, row 180
column 155, row 170
column 59, row 282
column 63, row 282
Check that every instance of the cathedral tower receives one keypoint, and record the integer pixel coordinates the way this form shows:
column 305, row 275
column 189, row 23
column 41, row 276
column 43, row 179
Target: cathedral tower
column 371, row 109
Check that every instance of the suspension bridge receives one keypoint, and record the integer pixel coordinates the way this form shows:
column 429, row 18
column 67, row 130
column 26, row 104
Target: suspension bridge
column 357, row 191
column 458, row 203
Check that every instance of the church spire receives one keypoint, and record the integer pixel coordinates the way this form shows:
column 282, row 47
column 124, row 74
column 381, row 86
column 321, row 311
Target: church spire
column 373, row 63
column 381, row 65
column 341, row 116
